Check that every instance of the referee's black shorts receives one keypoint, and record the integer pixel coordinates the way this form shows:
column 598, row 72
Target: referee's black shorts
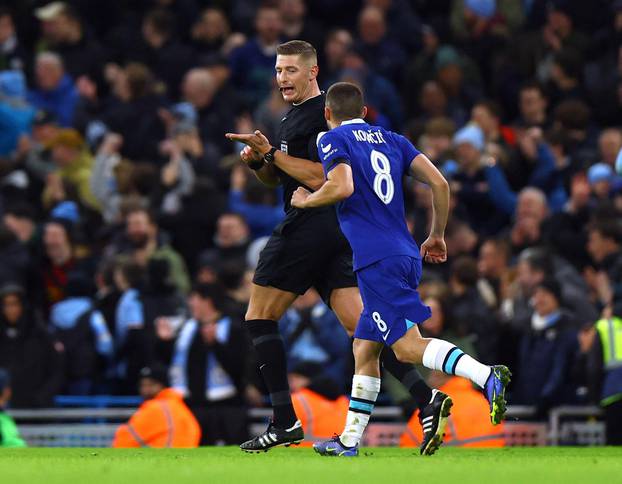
column 307, row 250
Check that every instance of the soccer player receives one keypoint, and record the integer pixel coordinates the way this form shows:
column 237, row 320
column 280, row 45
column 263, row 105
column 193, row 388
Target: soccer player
column 307, row 249
column 365, row 166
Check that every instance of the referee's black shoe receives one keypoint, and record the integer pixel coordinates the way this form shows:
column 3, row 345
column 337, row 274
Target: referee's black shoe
column 433, row 419
column 273, row 437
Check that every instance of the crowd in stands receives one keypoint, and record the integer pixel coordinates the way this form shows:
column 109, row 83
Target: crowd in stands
column 130, row 229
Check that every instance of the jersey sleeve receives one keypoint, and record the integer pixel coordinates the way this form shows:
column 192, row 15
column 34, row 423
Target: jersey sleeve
column 332, row 150
column 409, row 152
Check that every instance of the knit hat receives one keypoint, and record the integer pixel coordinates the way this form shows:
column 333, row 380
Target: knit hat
column 471, row 134
column 600, row 172
column 553, row 287
column 156, row 372
column 481, row 8
column 13, row 84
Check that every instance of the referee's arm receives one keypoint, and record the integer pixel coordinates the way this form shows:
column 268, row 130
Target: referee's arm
column 307, row 172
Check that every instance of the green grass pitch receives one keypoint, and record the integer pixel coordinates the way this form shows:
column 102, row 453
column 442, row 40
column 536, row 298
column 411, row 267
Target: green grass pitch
column 292, row 466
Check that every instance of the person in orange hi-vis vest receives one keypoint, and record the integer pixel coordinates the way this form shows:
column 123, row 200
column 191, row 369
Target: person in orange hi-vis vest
column 163, row 420
column 468, row 425
column 318, row 404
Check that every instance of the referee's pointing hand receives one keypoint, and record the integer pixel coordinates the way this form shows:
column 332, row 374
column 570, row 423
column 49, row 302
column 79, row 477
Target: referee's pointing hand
column 257, row 141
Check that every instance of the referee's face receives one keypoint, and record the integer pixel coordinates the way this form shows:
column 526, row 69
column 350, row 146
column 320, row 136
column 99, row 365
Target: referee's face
column 294, row 77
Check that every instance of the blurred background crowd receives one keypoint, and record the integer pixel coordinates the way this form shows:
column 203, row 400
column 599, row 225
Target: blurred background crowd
column 130, row 230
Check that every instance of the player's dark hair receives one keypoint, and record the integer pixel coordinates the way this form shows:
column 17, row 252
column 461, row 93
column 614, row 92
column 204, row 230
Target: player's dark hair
column 345, row 100
column 298, row 47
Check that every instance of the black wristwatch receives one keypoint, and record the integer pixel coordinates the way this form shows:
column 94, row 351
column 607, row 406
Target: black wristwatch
column 268, row 158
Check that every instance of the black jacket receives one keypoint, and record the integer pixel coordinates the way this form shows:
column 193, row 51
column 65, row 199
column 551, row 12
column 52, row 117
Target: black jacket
column 28, row 353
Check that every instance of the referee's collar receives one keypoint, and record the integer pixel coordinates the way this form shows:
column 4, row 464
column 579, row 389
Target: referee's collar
column 353, row 121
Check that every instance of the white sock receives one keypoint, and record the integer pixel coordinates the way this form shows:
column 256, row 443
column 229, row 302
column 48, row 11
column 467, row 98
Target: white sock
column 443, row 356
column 365, row 390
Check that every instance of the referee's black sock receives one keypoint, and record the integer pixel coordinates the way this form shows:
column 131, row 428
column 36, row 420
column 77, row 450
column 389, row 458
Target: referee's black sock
column 409, row 376
column 273, row 365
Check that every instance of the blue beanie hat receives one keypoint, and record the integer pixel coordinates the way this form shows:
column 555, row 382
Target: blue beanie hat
column 471, row 134
column 599, row 172
column 13, row 84
column 481, row 8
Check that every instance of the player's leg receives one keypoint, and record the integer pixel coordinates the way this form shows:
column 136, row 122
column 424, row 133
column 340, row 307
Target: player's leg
column 347, row 304
column 365, row 389
column 441, row 355
column 267, row 305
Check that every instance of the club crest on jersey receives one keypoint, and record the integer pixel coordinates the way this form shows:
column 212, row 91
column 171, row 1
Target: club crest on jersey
column 284, row 147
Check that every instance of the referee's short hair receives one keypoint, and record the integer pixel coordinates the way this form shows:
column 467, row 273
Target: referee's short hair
column 345, row 100
column 298, row 47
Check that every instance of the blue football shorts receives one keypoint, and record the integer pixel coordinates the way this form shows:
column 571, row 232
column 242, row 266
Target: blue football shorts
column 391, row 303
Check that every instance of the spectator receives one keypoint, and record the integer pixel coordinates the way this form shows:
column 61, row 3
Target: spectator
column 131, row 338
column 547, row 352
column 298, row 25
column 214, row 115
column 211, row 34
column 252, row 64
column 254, row 203
column 81, row 329
column 403, row 24
column 470, row 185
column 74, row 165
column 16, row 116
column 9, row 435
column 310, row 336
column 609, row 145
column 60, row 258
column 534, row 265
column 167, row 58
column 208, row 367
column 133, row 112
column 603, row 342
column 531, row 212
column 13, row 56
column 338, row 44
column 382, row 54
column 532, row 106
column 470, row 316
column 493, row 268
column 383, row 106
column 163, row 420
column 64, row 33
column 143, row 240
column 231, row 240
column 55, row 91
column 605, row 248
column 28, row 352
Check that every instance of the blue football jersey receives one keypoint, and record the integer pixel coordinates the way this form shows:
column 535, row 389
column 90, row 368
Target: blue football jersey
column 373, row 218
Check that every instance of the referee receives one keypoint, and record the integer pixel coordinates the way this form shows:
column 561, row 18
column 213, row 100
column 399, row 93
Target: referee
column 307, row 249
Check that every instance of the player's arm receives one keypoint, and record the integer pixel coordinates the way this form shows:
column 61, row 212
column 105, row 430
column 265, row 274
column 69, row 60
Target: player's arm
column 422, row 169
column 305, row 171
column 339, row 185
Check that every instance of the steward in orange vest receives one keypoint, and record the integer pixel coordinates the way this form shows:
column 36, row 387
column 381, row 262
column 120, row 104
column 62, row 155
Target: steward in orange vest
column 469, row 424
column 163, row 420
column 318, row 404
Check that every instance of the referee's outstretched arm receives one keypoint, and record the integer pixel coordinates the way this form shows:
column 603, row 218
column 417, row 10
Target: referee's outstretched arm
column 307, row 172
